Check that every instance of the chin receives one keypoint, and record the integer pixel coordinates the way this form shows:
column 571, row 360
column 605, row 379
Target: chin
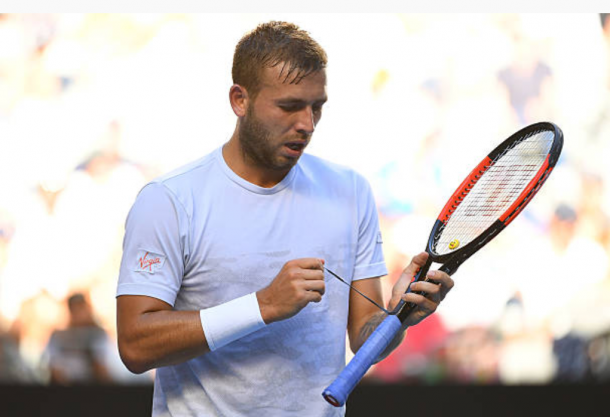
column 285, row 163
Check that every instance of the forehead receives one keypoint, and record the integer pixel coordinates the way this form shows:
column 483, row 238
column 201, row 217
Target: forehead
column 275, row 85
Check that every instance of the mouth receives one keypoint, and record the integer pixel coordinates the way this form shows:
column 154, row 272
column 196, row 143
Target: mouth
column 294, row 149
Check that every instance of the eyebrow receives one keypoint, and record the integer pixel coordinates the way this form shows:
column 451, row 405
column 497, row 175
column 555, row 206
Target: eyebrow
column 291, row 100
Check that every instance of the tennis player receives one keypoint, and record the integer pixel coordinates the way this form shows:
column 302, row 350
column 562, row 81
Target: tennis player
column 222, row 287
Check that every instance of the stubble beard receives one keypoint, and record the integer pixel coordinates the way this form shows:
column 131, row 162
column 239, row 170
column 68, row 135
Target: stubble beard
column 257, row 145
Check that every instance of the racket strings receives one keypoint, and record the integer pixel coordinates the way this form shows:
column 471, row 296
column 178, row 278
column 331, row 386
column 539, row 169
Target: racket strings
column 497, row 188
column 352, row 287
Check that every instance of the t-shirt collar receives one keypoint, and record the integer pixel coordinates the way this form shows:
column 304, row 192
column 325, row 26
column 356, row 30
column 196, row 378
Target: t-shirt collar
column 248, row 185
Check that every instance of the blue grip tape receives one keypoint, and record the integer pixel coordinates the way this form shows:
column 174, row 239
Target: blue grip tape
column 337, row 392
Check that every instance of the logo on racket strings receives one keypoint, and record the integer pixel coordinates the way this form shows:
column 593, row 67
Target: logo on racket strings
column 454, row 244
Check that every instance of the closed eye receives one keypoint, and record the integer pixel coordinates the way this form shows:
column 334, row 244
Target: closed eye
column 291, row 108
column 295, row 106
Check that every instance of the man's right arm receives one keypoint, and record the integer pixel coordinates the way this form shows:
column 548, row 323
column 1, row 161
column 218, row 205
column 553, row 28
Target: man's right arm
column 152, row 334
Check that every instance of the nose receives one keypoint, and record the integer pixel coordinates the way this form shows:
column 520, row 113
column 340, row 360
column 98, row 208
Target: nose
column 306, row 123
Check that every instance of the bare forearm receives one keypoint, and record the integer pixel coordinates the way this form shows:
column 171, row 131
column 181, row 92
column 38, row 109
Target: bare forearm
column 152, row 334
column 369, row 327
column 162, row 338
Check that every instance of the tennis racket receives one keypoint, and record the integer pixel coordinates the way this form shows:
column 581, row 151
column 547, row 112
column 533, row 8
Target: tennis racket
column 487, row 201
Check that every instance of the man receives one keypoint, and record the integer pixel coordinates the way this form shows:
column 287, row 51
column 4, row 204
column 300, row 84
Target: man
column 77, row 354
column 222, row 286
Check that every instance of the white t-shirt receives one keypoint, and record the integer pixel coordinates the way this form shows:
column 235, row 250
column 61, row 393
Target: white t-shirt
column 202, row 236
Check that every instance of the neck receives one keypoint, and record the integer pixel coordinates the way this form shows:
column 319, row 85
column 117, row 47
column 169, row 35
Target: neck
column 248, row 169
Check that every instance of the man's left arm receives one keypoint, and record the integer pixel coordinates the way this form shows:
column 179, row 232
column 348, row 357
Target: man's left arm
column 364, row 317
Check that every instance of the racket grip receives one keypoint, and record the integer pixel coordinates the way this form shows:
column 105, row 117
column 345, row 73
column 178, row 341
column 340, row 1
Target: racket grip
column 337, row 392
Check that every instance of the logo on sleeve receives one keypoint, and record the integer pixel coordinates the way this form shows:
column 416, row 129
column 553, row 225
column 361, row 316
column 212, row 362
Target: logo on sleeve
column 149, row 262
column 379, row 239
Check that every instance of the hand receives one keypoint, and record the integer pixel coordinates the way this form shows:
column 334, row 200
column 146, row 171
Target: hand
column 300, row 282
column 436, row 288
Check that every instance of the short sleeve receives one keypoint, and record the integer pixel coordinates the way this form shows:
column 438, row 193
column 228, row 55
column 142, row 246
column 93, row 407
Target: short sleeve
column 369, row 255
column 156, row 234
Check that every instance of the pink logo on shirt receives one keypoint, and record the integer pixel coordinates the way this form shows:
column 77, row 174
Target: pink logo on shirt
column 150, row 262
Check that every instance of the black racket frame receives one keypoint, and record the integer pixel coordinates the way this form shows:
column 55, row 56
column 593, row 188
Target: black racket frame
column 452, row 261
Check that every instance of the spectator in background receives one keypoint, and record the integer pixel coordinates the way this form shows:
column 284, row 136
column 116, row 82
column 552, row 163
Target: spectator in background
column 592, row 150
column 605, row 22
column 527, row 80
column 13, row 369
column 77, row 354
column 598, row 351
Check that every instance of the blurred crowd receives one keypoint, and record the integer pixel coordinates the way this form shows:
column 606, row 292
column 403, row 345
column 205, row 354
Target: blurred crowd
column 94, row 106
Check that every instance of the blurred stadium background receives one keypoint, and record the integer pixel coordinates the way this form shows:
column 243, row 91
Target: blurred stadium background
column 92, row 106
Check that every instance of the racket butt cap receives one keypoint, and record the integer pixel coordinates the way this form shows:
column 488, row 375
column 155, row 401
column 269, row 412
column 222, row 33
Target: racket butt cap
column 330, row 399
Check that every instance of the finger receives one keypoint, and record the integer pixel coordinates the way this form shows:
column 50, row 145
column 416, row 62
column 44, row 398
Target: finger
column 309, row 263
column 445, row 282
column 422, row 302
column 417, row 262
column 313, row 297
column 431, row 288
column 317, row 286
column 440, row 278
column 311, row 274
column 314, row 291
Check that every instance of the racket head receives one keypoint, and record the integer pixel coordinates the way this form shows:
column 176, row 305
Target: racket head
column 495, row 192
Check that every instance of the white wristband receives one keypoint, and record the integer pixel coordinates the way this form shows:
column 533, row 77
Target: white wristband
column 230, row 321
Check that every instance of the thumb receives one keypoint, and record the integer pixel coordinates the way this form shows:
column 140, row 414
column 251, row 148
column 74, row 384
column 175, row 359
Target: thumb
column 417, row 262
column 407, row 276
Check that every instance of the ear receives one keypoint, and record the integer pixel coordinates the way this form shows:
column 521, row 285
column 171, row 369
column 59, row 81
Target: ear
column 238, row 96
